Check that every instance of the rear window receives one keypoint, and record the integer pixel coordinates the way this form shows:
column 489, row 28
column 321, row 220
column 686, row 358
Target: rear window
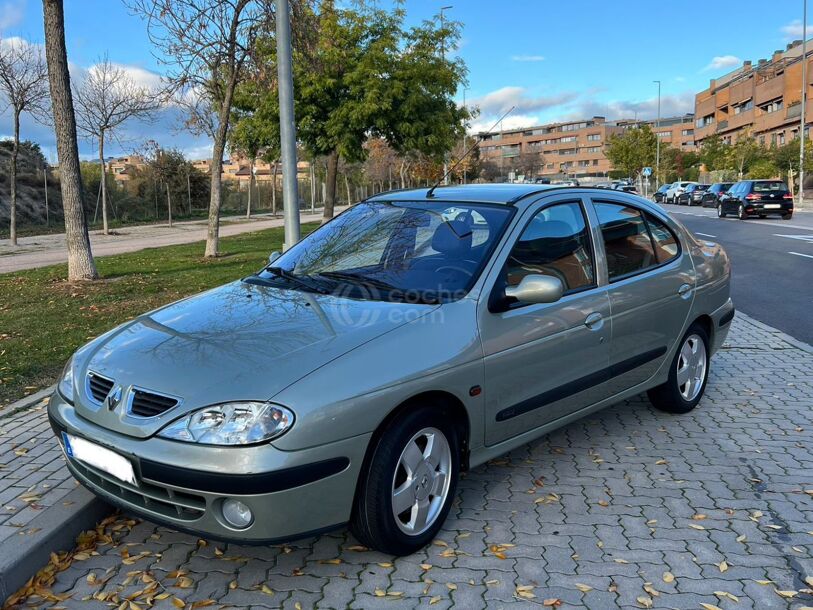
column 770, row 187
column 702, row 187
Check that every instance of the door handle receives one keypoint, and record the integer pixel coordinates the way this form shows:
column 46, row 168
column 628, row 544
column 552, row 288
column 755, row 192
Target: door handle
column 594, row 321
column 684, row 290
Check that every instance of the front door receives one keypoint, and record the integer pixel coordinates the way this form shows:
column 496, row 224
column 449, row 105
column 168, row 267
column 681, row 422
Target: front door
column 544, row 361
column 651, row 288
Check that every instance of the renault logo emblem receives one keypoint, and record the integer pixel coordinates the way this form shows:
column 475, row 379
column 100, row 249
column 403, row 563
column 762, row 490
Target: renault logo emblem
column 113, row 398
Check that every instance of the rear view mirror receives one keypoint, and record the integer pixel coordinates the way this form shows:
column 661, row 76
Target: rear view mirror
column 273, row 256
column 537, row 289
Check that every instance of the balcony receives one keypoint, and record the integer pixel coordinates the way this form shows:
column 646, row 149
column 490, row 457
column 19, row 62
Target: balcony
column 722, row 125
column 794, row 111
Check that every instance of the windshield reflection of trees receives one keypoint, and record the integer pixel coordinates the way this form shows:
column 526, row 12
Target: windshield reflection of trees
column 384, row 241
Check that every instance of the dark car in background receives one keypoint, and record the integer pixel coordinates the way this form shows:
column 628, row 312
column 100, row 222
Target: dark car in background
column 757, row 198
column 712, row 194
column 660, row 194
column 692, row 195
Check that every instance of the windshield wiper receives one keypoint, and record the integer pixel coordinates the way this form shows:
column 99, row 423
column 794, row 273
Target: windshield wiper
column 357, row 278
column 297, row 279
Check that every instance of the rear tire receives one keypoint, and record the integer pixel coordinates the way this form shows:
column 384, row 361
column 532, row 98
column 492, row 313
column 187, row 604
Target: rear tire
column 688, row 374
column 787, row 216
column 416, row 462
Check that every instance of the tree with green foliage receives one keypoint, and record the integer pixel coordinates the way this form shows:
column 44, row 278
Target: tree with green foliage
column 632, row 150
column 361, row 73
column 743, row 152
column 714, row 153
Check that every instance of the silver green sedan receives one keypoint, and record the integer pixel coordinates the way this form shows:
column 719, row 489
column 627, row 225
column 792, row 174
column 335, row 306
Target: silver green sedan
column 417, row 335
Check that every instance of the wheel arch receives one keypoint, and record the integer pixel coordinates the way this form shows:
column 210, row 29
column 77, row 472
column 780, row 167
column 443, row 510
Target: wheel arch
column 707, row 324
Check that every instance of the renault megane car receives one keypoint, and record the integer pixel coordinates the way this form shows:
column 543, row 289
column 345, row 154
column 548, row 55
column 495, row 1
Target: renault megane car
column 417, row 335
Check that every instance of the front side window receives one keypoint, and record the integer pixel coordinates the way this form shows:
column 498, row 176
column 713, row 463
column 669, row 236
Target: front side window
column 425, row 250
column 556, row 243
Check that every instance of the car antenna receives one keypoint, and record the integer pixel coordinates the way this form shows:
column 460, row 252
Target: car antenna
column 431, row 192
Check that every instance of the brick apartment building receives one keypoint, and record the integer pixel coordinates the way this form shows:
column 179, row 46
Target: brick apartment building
column 574, row 148
column 763, row 99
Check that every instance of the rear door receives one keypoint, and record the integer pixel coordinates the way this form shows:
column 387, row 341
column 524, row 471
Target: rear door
column 651, row 287
column 544, row 361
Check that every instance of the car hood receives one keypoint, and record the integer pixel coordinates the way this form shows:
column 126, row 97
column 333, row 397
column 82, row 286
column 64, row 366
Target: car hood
column 237, row 342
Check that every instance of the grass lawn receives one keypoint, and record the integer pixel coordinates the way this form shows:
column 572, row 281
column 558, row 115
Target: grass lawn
column 43, row 318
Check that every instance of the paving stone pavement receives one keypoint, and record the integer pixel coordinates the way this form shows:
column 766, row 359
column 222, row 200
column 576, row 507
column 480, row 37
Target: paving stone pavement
column 626, row 508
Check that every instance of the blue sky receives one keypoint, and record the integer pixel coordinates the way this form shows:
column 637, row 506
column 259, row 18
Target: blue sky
column 553, row 60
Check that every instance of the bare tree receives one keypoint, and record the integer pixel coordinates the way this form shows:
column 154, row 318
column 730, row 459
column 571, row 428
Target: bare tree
column 104, row 100
column 205, row 45
column 24, row 85
column 80, row 259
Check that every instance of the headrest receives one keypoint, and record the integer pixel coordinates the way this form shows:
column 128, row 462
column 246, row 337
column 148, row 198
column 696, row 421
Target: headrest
column 453, row 237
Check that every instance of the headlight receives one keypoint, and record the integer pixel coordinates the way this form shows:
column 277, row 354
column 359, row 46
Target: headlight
column 65, row 386
column 235, row 423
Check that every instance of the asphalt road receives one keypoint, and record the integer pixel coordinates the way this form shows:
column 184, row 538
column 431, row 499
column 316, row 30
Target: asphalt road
column 772, row 264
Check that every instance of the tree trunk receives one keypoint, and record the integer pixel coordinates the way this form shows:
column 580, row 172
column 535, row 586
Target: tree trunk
column 80, row 258
column 45, row 182
column 103, row 187
column 347, row 188
column 169, row 206
column 216, row 195
column 250, row 180
column 189, row 193
column 332, row 175
column 13, row 208
column 274, row 190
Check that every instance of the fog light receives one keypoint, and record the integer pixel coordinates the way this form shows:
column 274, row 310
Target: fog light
column 237, row 514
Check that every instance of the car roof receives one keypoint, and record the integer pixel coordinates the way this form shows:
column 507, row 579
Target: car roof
column 483, row 193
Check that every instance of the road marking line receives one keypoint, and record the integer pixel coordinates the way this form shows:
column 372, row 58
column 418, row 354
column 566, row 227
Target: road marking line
column 807, row 238
column 704, row 234
column 800, row 254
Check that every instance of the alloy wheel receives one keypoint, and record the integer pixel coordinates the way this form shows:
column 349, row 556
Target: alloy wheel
column 691, row 367
column 421, row 481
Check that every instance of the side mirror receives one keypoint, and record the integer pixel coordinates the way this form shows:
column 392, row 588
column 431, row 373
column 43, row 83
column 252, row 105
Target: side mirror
column 537, row 289
column 273, row 256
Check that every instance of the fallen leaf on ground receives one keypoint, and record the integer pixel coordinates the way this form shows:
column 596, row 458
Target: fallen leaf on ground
column 668, row 577
column 583, row 588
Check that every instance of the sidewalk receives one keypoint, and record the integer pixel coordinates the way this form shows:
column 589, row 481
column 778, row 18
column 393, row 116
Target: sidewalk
column 42, row 250
column 627, row 508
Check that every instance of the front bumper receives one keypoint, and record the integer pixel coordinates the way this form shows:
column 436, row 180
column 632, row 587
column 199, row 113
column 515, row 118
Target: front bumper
column 292, row 494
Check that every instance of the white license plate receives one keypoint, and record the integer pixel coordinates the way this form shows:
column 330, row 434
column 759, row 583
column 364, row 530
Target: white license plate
column 772, row 206
column 99, row 457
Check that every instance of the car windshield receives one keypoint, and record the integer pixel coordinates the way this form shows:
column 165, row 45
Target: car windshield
column 422, row 251
column 701, row 187
column 770, row 187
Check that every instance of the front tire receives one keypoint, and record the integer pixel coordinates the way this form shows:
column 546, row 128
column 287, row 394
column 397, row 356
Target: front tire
column 741, row 213
column 408, row 487
column 720, row 211
column 688, row 374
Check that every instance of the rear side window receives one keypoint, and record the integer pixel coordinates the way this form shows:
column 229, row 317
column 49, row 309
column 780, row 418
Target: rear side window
column 770, row 187
column 556, row 243
column 633, row 241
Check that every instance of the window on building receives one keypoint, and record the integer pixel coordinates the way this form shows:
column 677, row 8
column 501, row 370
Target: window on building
column 555, row 243
column 664, row 134
column 687, row 132
column 744, row 106
column 568, row 139
column 704, row 120
column 781, row 138
column 595, row 161
column 593, row 137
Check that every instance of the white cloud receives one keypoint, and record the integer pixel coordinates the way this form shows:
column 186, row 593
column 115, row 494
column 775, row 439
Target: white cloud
column 720, row 62
column 527, row 58
column 11, row 13
column 499, row 101
column 671, row 105
column 793, row 30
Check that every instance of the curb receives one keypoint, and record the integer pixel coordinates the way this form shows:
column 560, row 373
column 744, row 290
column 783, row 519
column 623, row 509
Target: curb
column 805, row 347
column 60, row 525
column 56, row 527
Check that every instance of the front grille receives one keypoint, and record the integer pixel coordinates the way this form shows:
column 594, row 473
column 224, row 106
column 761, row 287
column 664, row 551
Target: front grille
column 155, row 498
column 98, row 387
column 149, row 404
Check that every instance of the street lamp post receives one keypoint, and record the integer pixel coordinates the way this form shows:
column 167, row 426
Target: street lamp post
column 658, row 139
column 802, row 136
column 287, row 126
column 443, row 55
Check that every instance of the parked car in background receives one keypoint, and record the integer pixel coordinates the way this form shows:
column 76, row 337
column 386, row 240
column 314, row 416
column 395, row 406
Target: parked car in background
column 692, row 194
column 627, row 188
column 416, row 335
column 756, row 198
column 712, row 194
column 659, row 195
column 675, row 190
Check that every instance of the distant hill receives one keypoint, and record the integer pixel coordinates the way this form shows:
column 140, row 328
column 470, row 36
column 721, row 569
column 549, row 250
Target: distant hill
column 30, row 187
